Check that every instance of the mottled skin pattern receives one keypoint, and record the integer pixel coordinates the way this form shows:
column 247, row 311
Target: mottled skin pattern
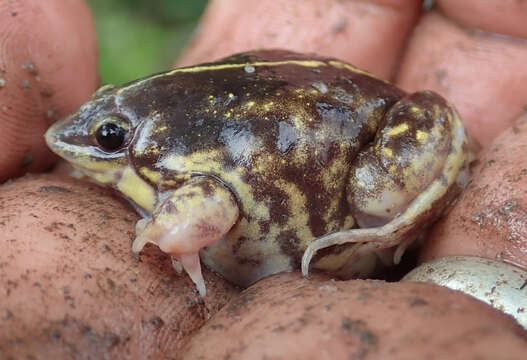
column 290, row 135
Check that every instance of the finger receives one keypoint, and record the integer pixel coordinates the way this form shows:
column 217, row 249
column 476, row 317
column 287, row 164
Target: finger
column 47, row 68
column 482, row 74
column 71, row 286
column 496, row 16
column 490, row 219
column 369, row 34
column 287, row 317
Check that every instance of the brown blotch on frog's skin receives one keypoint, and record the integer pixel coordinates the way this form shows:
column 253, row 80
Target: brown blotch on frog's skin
column 282, row 154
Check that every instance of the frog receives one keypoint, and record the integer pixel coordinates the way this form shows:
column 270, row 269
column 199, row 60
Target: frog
column 269, row 161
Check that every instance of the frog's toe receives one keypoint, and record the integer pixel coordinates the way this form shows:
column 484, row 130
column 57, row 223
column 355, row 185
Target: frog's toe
column 142, row 237
column 176, row 265
column 401, row 249
column 191, row 264
column 141, row 224
column 139, row 243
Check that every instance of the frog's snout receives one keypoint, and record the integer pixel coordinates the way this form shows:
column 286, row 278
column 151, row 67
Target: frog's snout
column 50, row 137
column 55, row 135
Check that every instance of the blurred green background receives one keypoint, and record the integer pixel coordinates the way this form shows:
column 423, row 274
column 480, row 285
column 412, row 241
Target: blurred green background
column 138, row 37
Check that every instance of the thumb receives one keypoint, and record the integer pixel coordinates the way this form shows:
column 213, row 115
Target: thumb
column 47, row 69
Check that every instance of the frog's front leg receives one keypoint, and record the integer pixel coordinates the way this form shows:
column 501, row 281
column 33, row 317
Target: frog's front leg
column 401, row 182
column 191, row 217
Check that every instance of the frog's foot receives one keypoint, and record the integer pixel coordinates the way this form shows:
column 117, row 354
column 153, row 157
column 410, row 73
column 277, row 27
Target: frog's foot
column 373, row 238
column 400, row 232
column 394, row 196
column 195, row 215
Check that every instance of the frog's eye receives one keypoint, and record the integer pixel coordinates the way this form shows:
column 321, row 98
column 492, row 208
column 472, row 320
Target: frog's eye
column 111, row 134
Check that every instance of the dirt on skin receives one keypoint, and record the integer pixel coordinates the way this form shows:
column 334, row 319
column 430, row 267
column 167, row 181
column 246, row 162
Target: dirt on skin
column 288, row 317
column 71, row 286
column 490, row 218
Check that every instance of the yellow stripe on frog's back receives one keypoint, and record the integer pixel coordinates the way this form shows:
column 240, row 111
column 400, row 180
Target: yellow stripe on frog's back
column 215, row 67
column 212, row 67
column 353, row 69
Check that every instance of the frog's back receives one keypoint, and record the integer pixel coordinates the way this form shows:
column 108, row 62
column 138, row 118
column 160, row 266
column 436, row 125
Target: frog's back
column 280, row 130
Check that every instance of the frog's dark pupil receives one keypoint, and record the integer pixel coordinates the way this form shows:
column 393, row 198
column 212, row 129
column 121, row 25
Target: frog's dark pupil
column 110, row 136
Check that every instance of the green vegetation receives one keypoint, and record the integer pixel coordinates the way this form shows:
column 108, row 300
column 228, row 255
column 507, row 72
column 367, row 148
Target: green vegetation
column 137, row 37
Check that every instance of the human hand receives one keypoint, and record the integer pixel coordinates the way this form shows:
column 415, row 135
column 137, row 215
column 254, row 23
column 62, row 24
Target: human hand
column 47, row 69
column 471, row 52
column 136, row 315
column 70, row 286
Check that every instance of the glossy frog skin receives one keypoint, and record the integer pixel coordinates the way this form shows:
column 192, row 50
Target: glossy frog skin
column 270, row 161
